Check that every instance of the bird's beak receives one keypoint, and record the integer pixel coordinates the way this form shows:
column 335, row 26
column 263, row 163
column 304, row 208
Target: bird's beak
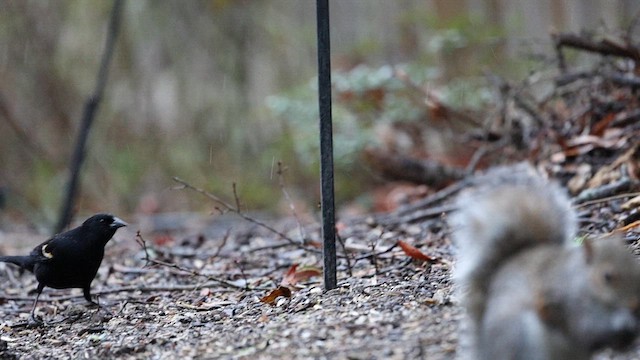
column 118, row 223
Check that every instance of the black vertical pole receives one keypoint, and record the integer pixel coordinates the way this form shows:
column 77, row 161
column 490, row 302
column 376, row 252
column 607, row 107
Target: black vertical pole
column 326, row 146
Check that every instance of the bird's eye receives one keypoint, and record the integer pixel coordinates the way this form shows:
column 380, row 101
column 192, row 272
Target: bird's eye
column 101, row 220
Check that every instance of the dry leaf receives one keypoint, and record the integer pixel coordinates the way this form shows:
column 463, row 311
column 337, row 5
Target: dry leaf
column 163, row 240
column 599, row 127
column 439, row 298
column 280, row 291
column 413, row 252
column 631, row 204
column 628, row 227
column 293, row 275
column 578, row 182
column 340, row 226
column 315, row 244
column 606, row 173
column 290, row 279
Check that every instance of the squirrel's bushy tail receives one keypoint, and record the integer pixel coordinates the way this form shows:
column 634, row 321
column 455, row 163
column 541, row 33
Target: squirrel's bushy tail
column 508, row 209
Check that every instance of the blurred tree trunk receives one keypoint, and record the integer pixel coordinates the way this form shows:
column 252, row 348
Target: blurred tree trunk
column 448, row 10
column 495, row 15
column 455, row 60
column 558, row 15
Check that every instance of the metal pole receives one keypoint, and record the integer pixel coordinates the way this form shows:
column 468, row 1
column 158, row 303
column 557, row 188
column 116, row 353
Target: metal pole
column 326, row 146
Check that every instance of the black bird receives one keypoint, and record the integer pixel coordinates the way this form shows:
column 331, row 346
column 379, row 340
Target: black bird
column 70, row 259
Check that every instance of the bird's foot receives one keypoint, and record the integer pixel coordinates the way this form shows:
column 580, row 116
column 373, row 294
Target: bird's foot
column 34, row 321
column 102, row 314
column 101, row 307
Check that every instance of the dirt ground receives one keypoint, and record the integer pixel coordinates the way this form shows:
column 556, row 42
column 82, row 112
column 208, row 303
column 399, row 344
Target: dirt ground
column 196, row 293
column 201, row 298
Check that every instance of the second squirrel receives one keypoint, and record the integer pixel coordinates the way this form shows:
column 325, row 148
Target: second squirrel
column 529, row 291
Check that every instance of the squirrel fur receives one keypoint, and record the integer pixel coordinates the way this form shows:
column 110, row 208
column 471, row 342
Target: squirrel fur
column 530, row 292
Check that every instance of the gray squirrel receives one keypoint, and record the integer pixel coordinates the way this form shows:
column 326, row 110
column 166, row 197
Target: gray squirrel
column 530, row 291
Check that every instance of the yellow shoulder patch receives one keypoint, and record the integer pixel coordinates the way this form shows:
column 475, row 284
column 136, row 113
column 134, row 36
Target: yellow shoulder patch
column 45, row 253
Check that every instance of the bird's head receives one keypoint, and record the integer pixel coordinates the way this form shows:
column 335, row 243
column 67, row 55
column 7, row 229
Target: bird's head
column 106, row 223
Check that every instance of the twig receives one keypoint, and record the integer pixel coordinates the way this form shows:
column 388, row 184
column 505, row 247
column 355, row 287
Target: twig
column 228, row 207
column 566, row 79
column 374, row 257
column 430, row 98
column 475, row 159
column 133, row 288
column 397, row 266
column 623, row 185
column 405, row 211
column 422, row 214
column 632, row 26
column 242, row 273
column 417, row 213
column 303, row 235
column 366, row 256
column 562, row 62
column 224, row 242
column 269, row 247
column 346, row 254
column 626, row 118
column 236, row 197
column 408, row 168
column 623, row 80
column 605, row 47
column 140, row 240
column 527, row 107
column 606, row 199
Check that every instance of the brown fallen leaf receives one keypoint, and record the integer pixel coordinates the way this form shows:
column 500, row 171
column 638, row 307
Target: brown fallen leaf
column 163, row 240
column 627, row 227
column 293, row 275
column 315, row 244
column 289, row 281
column 413, row 252
column 273, row 295
column 599, row 127
column 631, row 204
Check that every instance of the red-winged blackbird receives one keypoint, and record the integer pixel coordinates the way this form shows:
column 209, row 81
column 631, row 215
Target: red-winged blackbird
column 70, row 259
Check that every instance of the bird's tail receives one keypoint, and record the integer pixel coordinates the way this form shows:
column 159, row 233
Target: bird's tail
column 25, row 262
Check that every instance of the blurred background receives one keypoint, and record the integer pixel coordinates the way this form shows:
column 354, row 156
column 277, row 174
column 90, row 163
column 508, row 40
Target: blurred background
column 218, row 92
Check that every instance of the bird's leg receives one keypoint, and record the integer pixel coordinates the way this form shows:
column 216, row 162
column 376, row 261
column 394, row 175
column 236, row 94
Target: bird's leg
column 87, row 295
column 32, row 317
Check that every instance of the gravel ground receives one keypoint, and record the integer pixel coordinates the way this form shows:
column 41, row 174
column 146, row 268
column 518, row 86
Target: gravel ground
column 200, row 298
column 196, row 293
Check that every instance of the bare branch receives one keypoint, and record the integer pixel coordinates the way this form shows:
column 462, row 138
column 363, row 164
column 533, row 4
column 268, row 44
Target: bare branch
column 281, row 169
column 140, row 240
column 230, row 208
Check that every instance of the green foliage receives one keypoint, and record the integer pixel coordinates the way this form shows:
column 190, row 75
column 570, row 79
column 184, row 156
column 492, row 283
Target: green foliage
column 469, row 93
column 301, row 116
column 186, row 96
column 363, row 99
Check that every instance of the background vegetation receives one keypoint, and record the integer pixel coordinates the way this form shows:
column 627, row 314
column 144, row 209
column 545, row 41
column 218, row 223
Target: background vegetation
column 217, row 92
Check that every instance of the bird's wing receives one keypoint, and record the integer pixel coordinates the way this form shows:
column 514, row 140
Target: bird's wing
column 51, row 248
column 43, row 251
